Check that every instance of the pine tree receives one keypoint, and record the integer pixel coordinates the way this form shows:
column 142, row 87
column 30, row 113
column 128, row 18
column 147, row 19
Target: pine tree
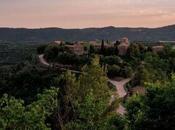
column 102, row 47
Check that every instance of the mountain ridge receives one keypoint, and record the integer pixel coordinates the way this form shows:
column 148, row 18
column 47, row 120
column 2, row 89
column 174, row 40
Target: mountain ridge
column 166, row 33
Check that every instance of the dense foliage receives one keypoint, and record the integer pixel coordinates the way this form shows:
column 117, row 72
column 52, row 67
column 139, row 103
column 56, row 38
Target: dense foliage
column 33, row 97
column 155, row 110
column 62, row 55
column 69, row 108
column 14, row 53
column 14, row 115
column 25, row 80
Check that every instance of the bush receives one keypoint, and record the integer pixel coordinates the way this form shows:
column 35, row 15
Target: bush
column 41, row 49
column 51, row 52
column 111, row 60
column 126, row 72
column 72, row 59
column 113, row 71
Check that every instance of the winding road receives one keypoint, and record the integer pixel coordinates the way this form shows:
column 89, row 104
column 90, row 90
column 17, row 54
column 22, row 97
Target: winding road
column 46, row 64
column 118, row 84
column 43, row 61
column 120, row 87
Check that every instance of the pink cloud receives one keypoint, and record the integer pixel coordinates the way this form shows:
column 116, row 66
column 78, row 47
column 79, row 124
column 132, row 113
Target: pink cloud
column 86, row 13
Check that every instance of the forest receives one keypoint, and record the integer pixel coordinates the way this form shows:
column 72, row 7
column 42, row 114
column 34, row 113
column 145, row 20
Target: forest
column 37, row 97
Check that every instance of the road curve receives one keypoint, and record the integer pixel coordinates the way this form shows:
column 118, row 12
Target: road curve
column 120, row 87
column 46, row 64
column 43, row 61
column 118, row 84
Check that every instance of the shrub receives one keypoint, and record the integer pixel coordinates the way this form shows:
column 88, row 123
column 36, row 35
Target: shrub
column 113, row 71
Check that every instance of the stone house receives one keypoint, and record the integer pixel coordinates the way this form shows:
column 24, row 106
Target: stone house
column 76, row 48
column 157, row 49
column 57, row 42
column 123, row 46
column 97, row 45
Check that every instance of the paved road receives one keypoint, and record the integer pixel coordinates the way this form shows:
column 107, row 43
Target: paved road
column 121, row 110
column 120, row 87
column 118, row 84
column 43, row 61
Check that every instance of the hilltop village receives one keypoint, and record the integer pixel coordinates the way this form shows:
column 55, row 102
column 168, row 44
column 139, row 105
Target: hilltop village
column 120, row 59
column 87, row 64
column 90, row 85
column 79, row 48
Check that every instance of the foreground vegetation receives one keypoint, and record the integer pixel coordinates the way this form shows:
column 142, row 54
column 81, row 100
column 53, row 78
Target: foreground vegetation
column 65, row 106
column 42, row 98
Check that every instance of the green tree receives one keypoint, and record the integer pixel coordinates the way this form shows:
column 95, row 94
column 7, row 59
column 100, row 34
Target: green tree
column 142, row 75
column 91, row 49
column 51, row 52
column 102, row 47
column 126, row 72
column 136, row 112
column 90, row 98
column 113, row 71
column 111, row 60
column 133, row 50
column 41, row 49
column 154, row 111
column 15, row 116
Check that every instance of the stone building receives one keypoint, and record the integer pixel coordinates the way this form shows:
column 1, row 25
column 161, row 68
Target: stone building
column 157, row 49
column 123, row 46
column 57, row 42
column 97, row 45
column 76, row 48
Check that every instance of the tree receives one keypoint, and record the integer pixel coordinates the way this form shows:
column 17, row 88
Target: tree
column 142, row 48
column 154, row 111
column 90, row 105
column 136, row 112
column 51, row 52
column 91, row 49
column 41, row 49
column 142, row 75
column 133, row 50
column 117, row 43
column 15, row 116
column 113, row 71
column 72, row 59
column 102, row 47
column 111, row 60
column 116, row 47
column 126, row 72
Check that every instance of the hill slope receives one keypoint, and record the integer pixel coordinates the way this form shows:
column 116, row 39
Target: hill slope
column 110, row 33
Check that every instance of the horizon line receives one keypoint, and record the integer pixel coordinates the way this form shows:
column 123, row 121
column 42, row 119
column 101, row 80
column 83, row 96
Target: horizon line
column 86, row 27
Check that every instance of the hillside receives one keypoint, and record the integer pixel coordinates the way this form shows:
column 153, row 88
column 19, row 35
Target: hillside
column 110, row 33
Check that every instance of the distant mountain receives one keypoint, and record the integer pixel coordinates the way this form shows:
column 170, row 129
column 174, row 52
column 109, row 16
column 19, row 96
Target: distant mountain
column 166, row 33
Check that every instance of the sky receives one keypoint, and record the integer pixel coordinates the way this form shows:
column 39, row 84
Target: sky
column 86, row 13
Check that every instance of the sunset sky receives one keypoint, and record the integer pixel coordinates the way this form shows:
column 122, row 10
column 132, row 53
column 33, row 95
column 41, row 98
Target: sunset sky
column 86, row 13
